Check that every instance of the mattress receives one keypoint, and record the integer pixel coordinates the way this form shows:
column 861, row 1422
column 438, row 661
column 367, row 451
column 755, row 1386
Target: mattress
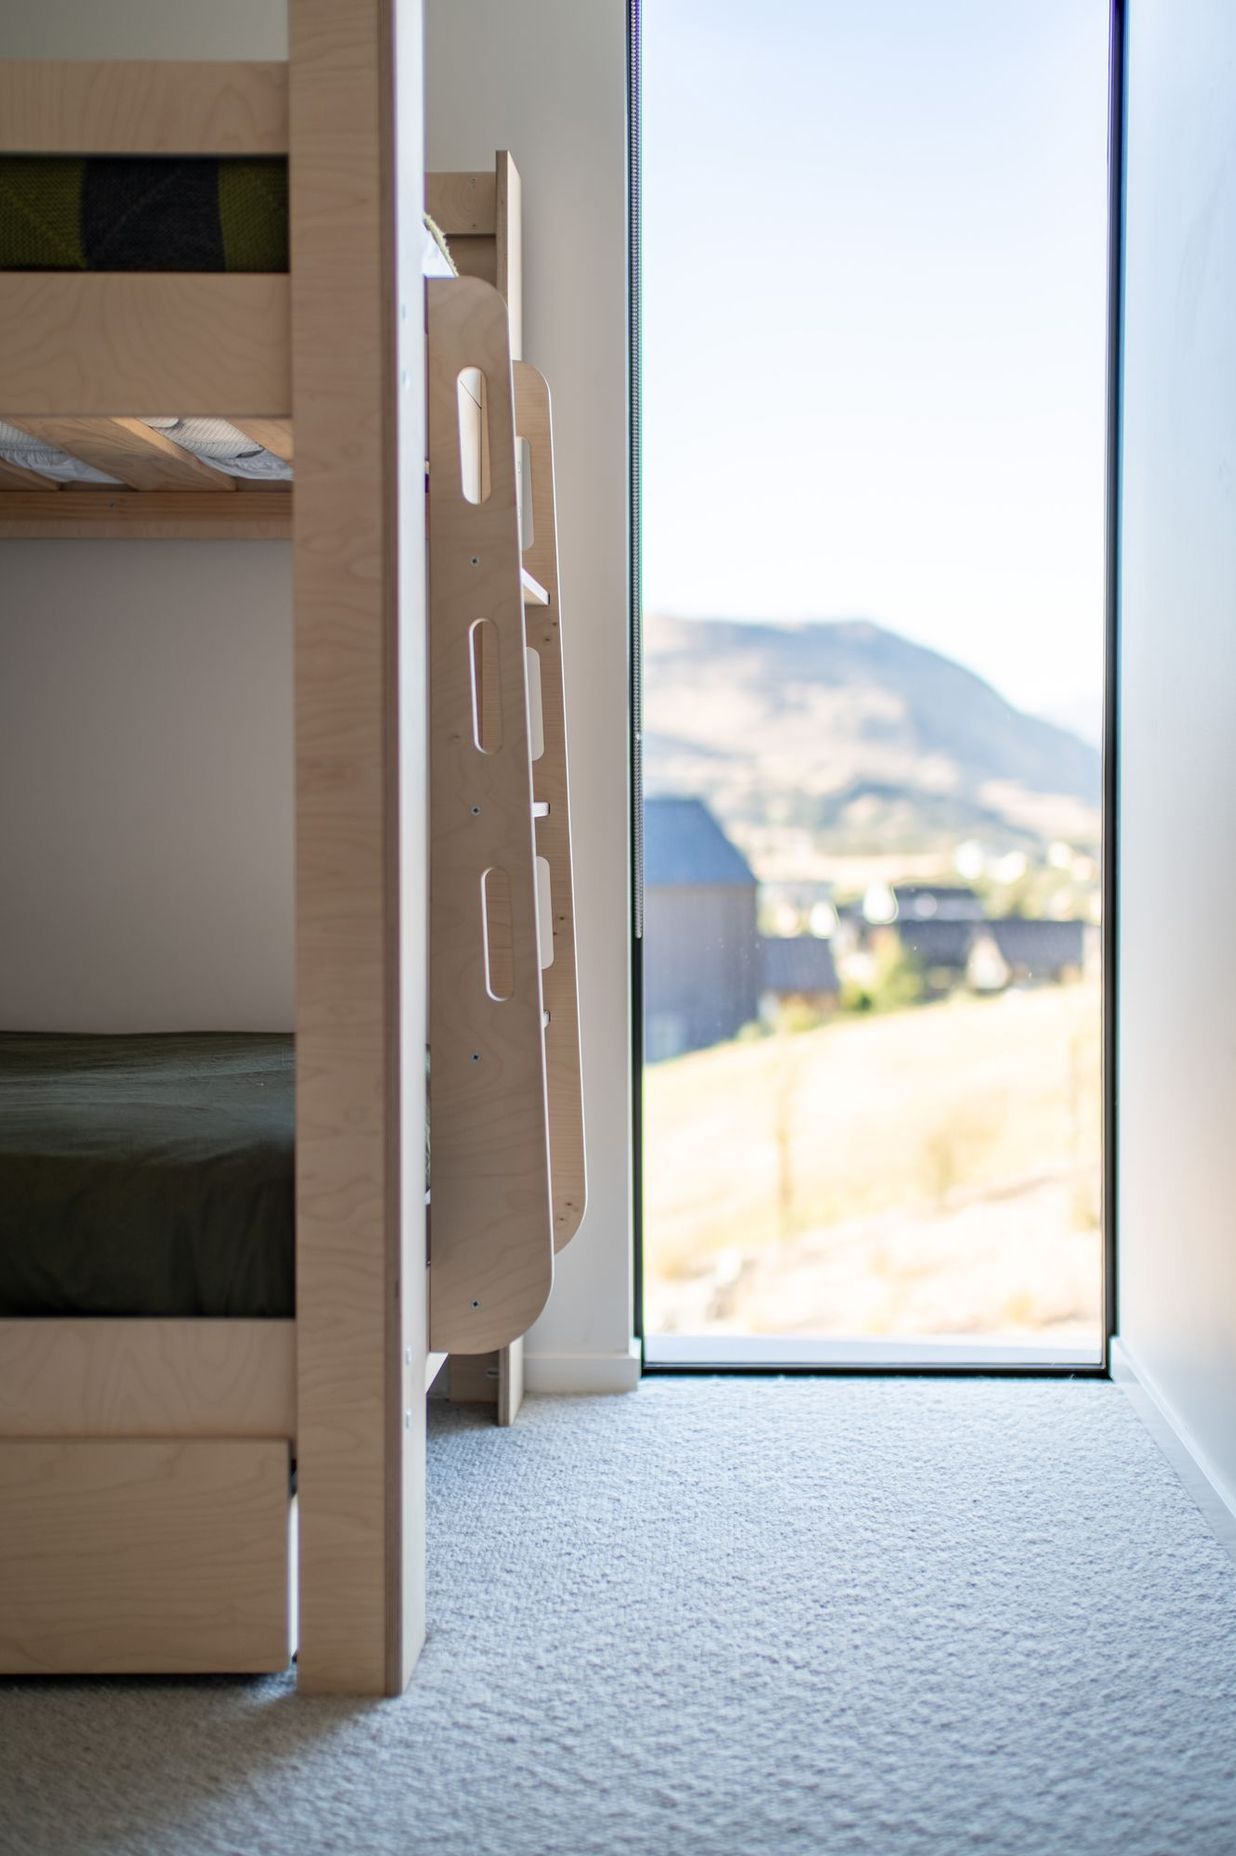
column 149, row 1176
column 143, row 213
column 155, row 213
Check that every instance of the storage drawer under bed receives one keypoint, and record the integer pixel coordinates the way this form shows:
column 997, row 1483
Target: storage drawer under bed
column 144, row 1556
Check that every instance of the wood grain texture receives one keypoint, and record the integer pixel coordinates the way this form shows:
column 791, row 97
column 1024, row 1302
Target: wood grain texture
column 462, row 205
column 149, row 1378
column 354, row 1552
column 508, row 246
column 142, row 107
column 472, row 1378
column 491, row 1262
column 17, row 477
column 129, row 450
column 102, row 514
column 510, row 1381
column 552, row 786
column 143, row 1557
column 483, row 214
column 274, row 435
column 125, row 343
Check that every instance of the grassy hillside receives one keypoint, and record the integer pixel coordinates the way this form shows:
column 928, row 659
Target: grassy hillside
column 854, row 739
column 933, row 1170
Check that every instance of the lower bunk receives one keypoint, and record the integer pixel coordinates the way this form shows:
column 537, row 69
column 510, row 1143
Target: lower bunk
column 147, row 1354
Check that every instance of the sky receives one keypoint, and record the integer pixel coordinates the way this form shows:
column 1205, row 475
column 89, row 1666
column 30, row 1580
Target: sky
column 874, row 249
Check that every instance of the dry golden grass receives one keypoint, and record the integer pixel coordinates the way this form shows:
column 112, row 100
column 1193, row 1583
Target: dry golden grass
column 932, row 1170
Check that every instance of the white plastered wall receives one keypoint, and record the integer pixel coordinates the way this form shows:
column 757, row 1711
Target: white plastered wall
column 1177, row 1081
column 546, row 79
column 146, row 777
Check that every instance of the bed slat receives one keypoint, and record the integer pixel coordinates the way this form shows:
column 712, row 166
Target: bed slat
column 274, row 435
column 17, row 477
column 126, row 448
column 142, row 107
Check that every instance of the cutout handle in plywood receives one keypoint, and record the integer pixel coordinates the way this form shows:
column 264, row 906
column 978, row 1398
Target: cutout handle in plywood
column 474, row 466
column 536, row 712
column 486, row 686
column 544, row 912
column 523, row 485
column 499, row 934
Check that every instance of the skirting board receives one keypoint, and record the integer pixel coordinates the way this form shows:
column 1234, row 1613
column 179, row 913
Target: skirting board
column 583, row 1372
column 1216, row 1502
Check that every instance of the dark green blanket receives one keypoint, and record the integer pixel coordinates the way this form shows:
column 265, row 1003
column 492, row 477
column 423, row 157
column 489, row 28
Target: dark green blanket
column 139, row 213
column 147, row 1175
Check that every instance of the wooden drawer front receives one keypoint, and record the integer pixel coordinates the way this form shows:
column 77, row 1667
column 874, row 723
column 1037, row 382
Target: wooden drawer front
column 143, row 1557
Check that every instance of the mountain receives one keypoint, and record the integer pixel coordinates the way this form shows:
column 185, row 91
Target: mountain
column 847, row 737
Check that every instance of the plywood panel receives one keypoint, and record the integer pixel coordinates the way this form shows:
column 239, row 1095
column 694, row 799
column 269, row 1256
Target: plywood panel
column 551, row 783
column 491, row 1262
column 146, row 1557
column 117, row 1378
column 354, row 1550
column 508, row 246
column 274, row 435
column 137, row 515
column 143, row 343
column 142, row 107
column 462, row 204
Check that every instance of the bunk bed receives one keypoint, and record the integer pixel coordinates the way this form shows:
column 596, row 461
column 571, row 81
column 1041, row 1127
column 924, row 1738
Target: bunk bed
column 151, row 403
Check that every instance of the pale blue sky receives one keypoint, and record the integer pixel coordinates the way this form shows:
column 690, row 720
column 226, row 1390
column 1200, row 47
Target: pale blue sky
column 874, row 249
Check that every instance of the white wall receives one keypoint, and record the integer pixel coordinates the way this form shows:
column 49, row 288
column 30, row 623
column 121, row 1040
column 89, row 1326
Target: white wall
column 1177, row 1231
column 145, row 786
column 546, row 79
column 145, row 706
column 143, row 29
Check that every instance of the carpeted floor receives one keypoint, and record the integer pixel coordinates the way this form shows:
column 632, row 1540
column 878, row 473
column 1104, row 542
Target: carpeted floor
column 724, row 1618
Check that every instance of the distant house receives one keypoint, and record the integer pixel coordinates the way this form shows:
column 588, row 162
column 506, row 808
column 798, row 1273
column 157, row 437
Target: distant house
column 989, row 955
column 941, row 947
column 701, row 945
column 1040, row 950
column 936, row 902
column 799, row 966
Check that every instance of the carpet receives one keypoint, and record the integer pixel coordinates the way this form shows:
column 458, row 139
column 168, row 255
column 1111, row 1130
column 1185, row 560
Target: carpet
column 744, row 1617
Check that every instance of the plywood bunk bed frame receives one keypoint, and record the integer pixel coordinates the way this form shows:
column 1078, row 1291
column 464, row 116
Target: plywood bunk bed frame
column 146, row 1523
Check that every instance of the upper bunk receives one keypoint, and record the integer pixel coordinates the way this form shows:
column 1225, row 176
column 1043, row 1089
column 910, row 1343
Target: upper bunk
column 143, row 402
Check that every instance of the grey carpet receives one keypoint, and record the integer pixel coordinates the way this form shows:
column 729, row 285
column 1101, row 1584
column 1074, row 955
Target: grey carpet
column 725, row 1618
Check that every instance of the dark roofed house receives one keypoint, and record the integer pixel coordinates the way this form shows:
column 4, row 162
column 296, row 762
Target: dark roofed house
column 798, row 966
column 941, row 946
column 937, row 902
column 1033, row 949
column 992, row 954
column 701, row 946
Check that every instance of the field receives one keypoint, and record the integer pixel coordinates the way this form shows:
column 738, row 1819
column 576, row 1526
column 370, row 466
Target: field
column 925, row 1172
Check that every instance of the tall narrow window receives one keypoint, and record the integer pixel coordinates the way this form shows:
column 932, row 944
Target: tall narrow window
column 874, row 255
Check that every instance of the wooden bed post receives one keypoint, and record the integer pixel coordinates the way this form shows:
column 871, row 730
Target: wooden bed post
column 357, row 362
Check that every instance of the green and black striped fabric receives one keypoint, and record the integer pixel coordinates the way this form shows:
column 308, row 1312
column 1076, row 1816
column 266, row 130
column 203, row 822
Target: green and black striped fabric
column 129, row 213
